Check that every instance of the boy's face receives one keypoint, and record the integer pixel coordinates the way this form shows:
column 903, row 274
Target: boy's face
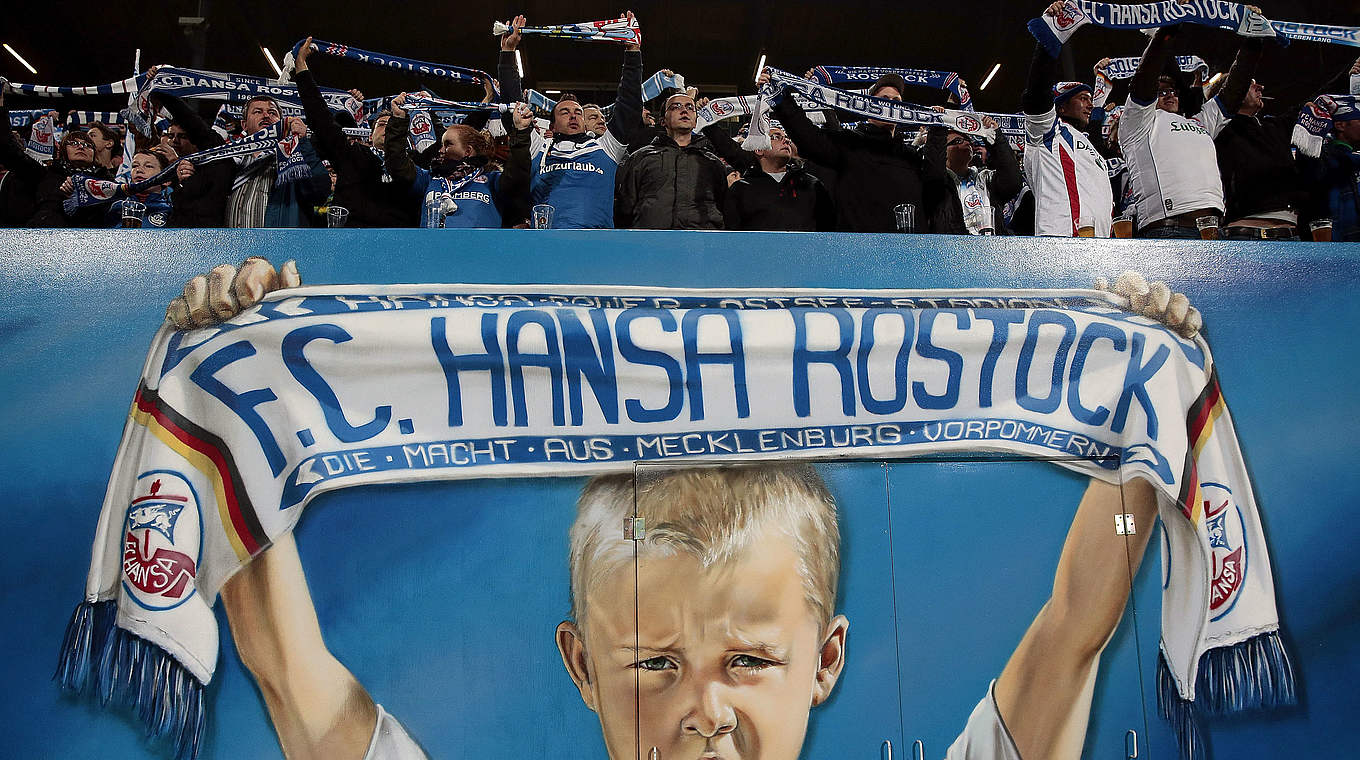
column 731, row 657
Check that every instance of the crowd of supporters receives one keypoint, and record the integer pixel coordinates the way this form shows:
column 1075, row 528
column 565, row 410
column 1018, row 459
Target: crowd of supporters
column 1180, row 158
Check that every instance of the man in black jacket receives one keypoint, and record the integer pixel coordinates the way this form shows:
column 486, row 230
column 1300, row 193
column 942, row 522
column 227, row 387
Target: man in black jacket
column 876, row 169
column 779, row 193
column 361, row 184
column 674, row 183
column 975, row 188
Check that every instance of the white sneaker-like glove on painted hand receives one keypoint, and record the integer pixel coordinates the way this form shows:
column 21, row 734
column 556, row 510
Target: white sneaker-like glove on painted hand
column 227, row 291
column 1156, row 301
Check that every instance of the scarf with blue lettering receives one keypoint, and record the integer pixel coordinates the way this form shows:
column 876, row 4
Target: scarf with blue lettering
column 1053, row 31
column 1335, row 35
column 1124, row 68
column 386, row 61
column 89, row 191
column 618, row 30
column 1314, row 124
column 191, row 84
column 20, row 119
column 202, row 482
column 896, row 111
column 867, row 75
column 42, row 139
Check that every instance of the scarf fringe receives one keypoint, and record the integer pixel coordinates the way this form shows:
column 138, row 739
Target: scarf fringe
column 134, row 673
column 1255, row 674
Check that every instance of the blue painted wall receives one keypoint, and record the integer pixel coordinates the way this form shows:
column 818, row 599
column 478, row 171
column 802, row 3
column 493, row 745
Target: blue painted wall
column 438, row 630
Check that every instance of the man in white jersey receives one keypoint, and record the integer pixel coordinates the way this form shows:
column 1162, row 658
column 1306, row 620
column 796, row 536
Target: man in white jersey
column 1066, row 173
column 1172, row 159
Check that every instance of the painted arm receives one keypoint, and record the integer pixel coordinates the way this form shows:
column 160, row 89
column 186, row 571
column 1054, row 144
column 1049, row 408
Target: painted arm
column 1044, row 693
column 318, row 708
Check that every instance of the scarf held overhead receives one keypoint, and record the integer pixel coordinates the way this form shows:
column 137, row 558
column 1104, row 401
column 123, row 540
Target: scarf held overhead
column 203, row 481
column 619, row 31
column 895, row 111
column 1053, row 31
column 384, row 60
column 868, row 75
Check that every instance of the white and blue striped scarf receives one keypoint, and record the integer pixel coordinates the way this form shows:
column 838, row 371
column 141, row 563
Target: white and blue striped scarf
column 940, row 80
column 1053, row 31
column 895, row 111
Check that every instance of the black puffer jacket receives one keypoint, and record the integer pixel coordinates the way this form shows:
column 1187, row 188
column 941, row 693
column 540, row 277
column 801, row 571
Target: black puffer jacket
column 798, row 202
column 875, row 170
column 666, row 187
column 373, row 200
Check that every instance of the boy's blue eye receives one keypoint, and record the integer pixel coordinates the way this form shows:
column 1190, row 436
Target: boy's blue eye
column 656, row 663
column 751, row 662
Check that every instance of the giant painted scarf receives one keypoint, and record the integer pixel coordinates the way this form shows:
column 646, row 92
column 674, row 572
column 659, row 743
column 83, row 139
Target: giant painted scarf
column 209, row 472
column 895, row 111
column 90, row 191
column 940, row 80
column 386, row 61
column 619, row 31
column 1053, row 31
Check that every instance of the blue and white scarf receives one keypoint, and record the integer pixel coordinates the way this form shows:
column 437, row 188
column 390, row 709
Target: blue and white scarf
column 191, row 84
column 90, row 191
column 1124, row 68
column 940, row 80
column 1336, row 35
column 81, row 118
column 1053, row 31
column 659, row 82
column 42, row 139
column 1314, row 124
column 1140, row 402
column 123, row 87
column 896, row 111
column 387, row 61
column 20, row 119
column 618, row 30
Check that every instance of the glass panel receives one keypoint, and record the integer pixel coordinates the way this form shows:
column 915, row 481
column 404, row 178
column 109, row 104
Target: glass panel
column 744, row 645
column 976, row 554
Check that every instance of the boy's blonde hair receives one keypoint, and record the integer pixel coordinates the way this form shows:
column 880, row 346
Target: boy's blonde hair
column 714, row 514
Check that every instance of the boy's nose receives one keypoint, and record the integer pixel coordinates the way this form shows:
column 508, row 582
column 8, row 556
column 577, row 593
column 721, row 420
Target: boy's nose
column 712, row 713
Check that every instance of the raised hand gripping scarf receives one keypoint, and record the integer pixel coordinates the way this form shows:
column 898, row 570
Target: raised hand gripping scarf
column 864, row 105
column 867, row 75
column 1053, row 31
column 1315, row 122
column 209, row 471
column 619, row 30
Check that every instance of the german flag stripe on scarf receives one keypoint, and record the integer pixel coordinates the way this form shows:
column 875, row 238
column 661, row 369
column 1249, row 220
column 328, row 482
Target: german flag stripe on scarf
column 209, row 454
column 1199, row 425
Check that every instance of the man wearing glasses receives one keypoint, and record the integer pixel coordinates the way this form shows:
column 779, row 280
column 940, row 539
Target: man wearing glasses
column 676, row 182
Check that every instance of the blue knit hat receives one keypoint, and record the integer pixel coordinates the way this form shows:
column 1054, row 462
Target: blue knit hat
column 1064, row 90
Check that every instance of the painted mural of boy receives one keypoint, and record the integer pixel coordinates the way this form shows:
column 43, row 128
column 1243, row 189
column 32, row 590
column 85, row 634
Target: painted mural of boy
column 736, row 638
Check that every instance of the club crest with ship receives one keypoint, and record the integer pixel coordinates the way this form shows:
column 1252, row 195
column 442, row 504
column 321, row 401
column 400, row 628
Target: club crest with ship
column 1224, row 527
column 162, row 540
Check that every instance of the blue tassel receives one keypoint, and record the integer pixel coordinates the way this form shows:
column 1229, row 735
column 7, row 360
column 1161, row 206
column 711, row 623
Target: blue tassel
column 135, row 674
column 86, row 634
column 1179, row 712
column 1255, row 674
